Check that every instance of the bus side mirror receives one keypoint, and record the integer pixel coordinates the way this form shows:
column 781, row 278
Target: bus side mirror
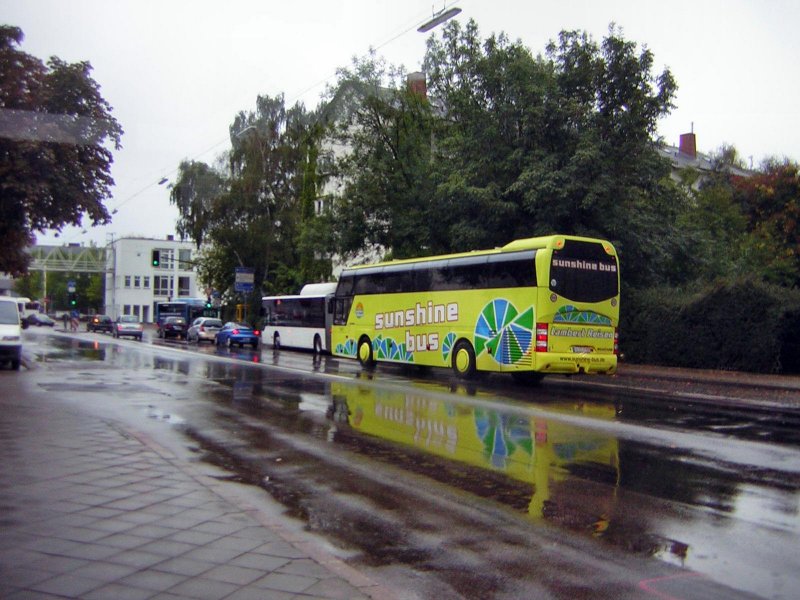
column 330, row 306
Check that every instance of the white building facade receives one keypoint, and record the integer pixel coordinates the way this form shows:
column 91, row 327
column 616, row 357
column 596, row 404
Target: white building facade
column 134, row 285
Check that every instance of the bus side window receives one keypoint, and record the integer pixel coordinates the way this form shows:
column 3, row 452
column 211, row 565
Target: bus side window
column 342, row 309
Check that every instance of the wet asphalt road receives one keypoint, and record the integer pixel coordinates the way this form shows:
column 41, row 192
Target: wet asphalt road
column 485, row 491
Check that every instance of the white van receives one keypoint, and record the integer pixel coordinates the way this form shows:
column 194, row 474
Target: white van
column 10, row 332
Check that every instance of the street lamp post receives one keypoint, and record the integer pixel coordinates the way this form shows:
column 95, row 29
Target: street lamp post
column 439, row 18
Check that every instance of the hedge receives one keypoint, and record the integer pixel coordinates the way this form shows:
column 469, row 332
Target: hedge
column 742, row 325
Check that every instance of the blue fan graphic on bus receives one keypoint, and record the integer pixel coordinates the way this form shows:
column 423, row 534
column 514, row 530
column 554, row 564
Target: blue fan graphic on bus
column 504, row 332
column 349, row 348
column 570, row 314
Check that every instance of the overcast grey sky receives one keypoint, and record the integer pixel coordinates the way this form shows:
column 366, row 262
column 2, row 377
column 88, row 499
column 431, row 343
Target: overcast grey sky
column 177, row 71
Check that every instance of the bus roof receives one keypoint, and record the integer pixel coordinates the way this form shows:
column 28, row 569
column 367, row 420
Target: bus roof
column 534, row 243
column 318, row 289
column 310, row 290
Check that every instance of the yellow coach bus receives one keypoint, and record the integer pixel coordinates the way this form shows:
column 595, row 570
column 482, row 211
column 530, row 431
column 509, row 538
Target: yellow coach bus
column 535, row 306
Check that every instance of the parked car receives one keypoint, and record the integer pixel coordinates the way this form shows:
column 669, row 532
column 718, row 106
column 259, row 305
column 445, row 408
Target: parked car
column 237, row 334
column 172, row 327
column 127, row 325
column 203, row 329
column 100, row 323
column 41, row 320
column 10, row 332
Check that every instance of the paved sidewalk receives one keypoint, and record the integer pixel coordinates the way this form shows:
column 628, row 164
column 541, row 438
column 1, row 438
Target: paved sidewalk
column 91, row 510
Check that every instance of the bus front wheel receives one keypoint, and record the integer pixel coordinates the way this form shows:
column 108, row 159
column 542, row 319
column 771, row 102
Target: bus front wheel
column 463, row 361
column 365, row 356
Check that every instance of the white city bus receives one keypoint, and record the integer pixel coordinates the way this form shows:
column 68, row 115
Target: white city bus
column 300, row 321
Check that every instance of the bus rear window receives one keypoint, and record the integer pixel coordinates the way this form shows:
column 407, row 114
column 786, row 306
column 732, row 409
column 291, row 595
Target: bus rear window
column 584, row 272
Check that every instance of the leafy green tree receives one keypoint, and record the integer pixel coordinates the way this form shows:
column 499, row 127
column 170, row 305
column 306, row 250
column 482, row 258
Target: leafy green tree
column 561, row 143
column 714, row 223
column 194, row 192
column 386, row 126
column 54, row 163
column 260, row 214
column 492, row 95
column 315, row 239
column 771, row 202
column 90, row 286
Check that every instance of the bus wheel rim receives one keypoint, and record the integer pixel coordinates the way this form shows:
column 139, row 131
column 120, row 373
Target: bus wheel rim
column 462, row 360
column 363, row 352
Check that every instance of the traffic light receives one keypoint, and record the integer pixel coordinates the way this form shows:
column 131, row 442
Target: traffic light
column 208, row 302
column 156, row 258
column 73, row 300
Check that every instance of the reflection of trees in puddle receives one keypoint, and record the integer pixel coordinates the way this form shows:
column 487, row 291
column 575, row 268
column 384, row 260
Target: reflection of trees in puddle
column 167, row 364
column 64, row 349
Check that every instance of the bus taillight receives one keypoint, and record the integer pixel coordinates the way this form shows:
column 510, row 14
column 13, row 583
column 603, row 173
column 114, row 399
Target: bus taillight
column 541, row 337
column 616, row 341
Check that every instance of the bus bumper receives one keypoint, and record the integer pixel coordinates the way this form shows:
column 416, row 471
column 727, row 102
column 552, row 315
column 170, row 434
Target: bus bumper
column 573, row 363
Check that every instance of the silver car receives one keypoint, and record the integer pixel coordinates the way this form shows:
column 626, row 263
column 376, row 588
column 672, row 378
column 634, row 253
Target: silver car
column 203, row 329
column 127, row 325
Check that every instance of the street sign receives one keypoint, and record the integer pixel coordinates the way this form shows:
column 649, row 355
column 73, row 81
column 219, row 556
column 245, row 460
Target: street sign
column 245, row 280
column 71, row 286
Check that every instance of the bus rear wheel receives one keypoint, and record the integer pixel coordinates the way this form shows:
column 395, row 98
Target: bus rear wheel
column 463, row 361
column 365, row 356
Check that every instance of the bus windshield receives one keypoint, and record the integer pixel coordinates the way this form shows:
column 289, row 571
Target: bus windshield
column 584, row 272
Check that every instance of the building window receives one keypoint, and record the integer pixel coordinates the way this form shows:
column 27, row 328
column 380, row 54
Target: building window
column 137, row 281
column 184, row 286
column 166, row 258
column 185, row 260
column 146, row 282
column 136, row 310
column 126, row 309
column 162, row 285
column 127, row 281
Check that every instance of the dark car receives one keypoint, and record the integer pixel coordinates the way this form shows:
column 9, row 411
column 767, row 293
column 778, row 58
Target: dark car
column 41, row 320
column 128, row 325
column 237, row 334
column 100, row 323
column 172, row 327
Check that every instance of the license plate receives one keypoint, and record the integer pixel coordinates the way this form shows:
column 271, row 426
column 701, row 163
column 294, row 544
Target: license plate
column 582, row 349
